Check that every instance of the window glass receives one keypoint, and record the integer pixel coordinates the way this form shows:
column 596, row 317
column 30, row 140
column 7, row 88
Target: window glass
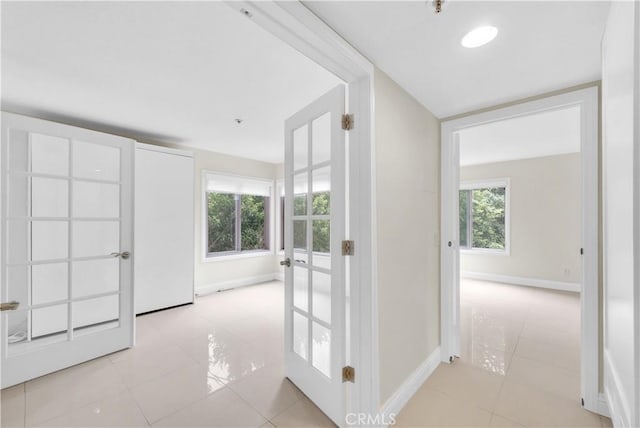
column 221, row 222
column 253, row 215
column 488, row 218
column 464, row 197
column 482, row 218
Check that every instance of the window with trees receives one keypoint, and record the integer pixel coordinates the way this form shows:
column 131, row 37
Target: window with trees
column 238, row 212
column 483, row 217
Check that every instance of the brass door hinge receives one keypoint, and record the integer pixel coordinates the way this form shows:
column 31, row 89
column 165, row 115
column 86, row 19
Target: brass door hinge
column 347, row 248
column 347, row 122
column 348, row 374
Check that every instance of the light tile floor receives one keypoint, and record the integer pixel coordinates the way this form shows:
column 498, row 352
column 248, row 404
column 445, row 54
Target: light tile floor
column 217, row 363
column 520, row 364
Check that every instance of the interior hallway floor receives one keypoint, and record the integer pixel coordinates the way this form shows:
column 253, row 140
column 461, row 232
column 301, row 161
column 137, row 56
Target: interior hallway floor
column 217, row 363
column 519, row 364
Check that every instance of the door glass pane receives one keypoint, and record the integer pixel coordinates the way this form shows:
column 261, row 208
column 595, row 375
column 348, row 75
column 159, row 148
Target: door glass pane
column 49, row 283
column 18, row 241
column 17, row 324
column 300, row 148
column 96, row 161
column 300, row 187
column 321, row 191
column 50, row 320
column 17, row 195
column 322, row 349
column 300, row 335
column 300, row 234
column 90, row 312
column 321, row 286
column 49, row 240
column 95, row 277
column 321, row 138
column 300, row 256
column 301, row 287
column 96, row 199
column 49, row 197
column 18, row 157
column 95, row 238
column 18, row 284
column 322, row 243
column 49, row 155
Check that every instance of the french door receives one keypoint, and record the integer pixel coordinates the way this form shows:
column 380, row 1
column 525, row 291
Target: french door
column 315, row 227
column 66, row 235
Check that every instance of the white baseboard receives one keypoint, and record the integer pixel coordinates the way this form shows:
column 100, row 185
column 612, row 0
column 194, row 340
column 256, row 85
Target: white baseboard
column 529, row 282
column 241, row 282
column 401, row 397
column 280, row 276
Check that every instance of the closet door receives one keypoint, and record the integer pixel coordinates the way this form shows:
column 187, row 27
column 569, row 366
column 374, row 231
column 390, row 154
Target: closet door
column 164, row 232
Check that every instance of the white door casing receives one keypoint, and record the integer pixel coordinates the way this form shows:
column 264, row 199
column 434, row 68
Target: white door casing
column 315, row 281
column 67, row 198
column 621, row 211
column 587, row 100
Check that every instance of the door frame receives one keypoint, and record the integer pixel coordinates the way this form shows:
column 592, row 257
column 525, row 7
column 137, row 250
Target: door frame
column 300, row 28
column 587, row 100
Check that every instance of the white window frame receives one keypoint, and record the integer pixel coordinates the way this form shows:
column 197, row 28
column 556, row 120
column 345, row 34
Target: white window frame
column 484, row 184
column 235, row 255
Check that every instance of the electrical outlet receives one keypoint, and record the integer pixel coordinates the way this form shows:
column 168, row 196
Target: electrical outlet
column 567, row 272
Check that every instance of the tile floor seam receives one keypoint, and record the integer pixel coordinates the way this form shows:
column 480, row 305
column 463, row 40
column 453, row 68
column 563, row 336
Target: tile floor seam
column 188, row 405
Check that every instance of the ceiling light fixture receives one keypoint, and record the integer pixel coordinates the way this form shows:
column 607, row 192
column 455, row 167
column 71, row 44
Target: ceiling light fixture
column 479, row 36
column 238, row 121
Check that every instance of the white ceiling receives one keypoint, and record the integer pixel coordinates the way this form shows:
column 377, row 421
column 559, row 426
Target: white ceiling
column 541, row 46
column 176, row 72
column 543, row 134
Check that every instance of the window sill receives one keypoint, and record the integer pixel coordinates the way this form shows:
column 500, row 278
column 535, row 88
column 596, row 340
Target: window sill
column 237, row 256
column 484, row 252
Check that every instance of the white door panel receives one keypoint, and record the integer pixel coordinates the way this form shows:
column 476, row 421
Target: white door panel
column 314, row 229
column 66, row 210
column 620, row 188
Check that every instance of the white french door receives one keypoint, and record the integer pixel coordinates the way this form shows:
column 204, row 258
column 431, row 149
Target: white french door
column 66, row 233
column 315, row 227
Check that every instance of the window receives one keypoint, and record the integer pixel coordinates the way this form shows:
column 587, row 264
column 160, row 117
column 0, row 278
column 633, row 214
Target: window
column 237, row 214
column 483, row 216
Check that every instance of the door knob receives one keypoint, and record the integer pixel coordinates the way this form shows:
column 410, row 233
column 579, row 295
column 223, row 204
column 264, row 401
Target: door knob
column 286, row 262
column 9, row 306
column 123, row 255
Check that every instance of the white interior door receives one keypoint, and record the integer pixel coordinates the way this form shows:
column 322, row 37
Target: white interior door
column 621, row 126
column 314, row 229
column 66, row 224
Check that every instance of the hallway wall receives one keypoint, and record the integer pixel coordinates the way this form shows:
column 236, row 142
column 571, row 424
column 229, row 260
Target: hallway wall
column 407, row 145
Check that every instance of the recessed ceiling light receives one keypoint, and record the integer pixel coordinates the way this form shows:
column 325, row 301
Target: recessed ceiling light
column 479, row 36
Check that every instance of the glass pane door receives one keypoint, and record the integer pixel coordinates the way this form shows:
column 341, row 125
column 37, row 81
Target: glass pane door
column 314, row 226
column 67, row 218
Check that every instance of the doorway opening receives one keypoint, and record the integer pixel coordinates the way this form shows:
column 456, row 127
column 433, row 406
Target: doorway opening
column 236, row 166
column 485, row 246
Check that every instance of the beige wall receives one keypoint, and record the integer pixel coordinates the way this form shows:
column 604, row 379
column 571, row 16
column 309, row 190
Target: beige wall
column 219, row 272
column 545, row 219
column 407, row 145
